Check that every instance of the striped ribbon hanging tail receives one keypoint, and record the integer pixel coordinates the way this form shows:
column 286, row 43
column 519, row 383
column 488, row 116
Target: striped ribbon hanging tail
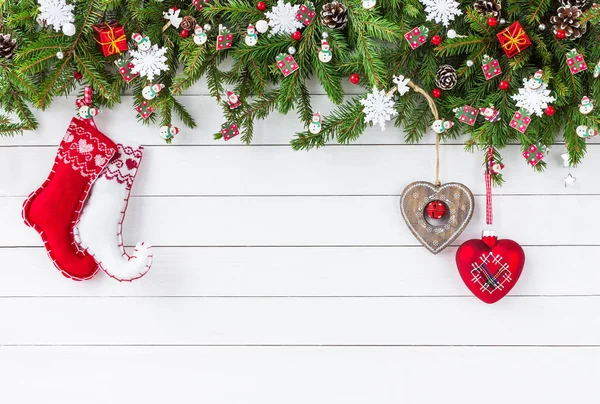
column 489, row 216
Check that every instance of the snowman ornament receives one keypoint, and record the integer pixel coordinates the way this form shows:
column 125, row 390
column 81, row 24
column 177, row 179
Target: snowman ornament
column 441, row 126
column 325, row 54
column 315, row 124
column 87, row 112
column 168, row 132
column 368, row 4
column 200, row 36
column 251, row 36
column 585, row 132
column 150, row 92
column 586, row 106
column 142, row 41
column 535, row 81
column 173, row 16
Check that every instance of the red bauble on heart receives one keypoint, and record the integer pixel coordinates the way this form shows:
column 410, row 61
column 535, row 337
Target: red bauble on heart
column 490, row 267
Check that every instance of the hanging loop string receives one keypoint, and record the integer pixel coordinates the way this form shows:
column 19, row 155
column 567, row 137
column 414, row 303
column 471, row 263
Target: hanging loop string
column 489, row 217
column 434, row 111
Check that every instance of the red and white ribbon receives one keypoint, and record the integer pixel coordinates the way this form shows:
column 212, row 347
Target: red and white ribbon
column 87, row 98
column 489, row 217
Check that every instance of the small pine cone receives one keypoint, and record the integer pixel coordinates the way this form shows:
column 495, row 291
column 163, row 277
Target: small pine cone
column 334, row 15
column 567, row 19
column 7, row 46
column 489, row 8
column 580, row 4
column 446, row 77
column 188, row 23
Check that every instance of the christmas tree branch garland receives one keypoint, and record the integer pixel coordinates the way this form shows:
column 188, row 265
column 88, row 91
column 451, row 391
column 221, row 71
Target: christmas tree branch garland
column 505, row 72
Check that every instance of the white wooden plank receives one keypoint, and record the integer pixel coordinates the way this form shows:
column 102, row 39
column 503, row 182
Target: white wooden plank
column 305, row 271
column 297, row 375
column 276, row 170
column 122, row 119
column 299, row 321
column 334, row 220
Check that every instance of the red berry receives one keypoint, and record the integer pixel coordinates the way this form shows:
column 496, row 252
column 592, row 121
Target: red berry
column 77, row 75
column 436, row 209
column 261, row 6
column 503, row 85
column 297, row 35
column 354, row 78
column 492, row 22
column 436, row 40
column 560, row 34
column 184, row 33
column 550, row 110
column 436, row 92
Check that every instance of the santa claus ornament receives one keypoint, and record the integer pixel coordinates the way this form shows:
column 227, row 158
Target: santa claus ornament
column 488, row 266
column 437, row 213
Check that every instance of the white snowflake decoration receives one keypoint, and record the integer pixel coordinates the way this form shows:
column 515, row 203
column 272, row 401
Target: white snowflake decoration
column 149, row 63
column 401, row 84
column 441, row 11
column 55, row 13
column 282, row 18
column 378, row 108
column 535, row 101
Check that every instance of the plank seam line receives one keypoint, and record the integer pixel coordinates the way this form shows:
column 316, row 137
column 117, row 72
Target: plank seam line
column 570, row 346
column 471, row 297
column 316, row 246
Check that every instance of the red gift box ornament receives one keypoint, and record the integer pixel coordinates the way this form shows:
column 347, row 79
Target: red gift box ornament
column 513, row 39
column 491, row 67
column 575, row 61
column 535, row 153
column 417, row 36
column 111, row 38
column 229, row 130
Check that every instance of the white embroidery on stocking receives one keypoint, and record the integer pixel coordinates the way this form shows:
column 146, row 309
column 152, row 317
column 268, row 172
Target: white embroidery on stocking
column 87, row 155
column 123, row 167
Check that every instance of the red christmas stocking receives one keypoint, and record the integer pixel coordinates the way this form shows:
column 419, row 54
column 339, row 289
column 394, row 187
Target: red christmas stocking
column 53, row 209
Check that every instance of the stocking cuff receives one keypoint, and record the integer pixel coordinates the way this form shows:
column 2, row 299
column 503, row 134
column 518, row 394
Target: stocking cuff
column 123, row 167
column 85, row 149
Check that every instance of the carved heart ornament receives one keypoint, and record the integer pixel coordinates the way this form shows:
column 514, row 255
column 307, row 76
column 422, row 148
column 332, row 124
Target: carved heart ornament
column 490, row 267
column 436, row 235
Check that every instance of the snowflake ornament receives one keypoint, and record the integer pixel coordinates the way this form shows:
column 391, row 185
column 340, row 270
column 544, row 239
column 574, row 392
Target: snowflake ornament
column 441, row 11
column 282, row 18
column 55, row 13
column 401, row 84
column 378, row 108
column 149, row 63
column 534, row 100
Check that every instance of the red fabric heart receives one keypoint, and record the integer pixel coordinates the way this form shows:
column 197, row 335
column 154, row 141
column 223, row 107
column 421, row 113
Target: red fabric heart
column 131, row 164
column 490, row 267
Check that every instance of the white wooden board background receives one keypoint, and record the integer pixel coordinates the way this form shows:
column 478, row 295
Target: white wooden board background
column 290, row 277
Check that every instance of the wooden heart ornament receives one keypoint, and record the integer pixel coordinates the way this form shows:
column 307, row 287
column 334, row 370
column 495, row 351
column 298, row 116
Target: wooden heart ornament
column 490, row 267
column 436, row 231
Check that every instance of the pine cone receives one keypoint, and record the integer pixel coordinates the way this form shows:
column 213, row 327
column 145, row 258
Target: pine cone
column 490, row 8
column 7, row 46
column 446, row 77
column 334, row 15
column 568, row 20
column 188, row 23
column 580, row 4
